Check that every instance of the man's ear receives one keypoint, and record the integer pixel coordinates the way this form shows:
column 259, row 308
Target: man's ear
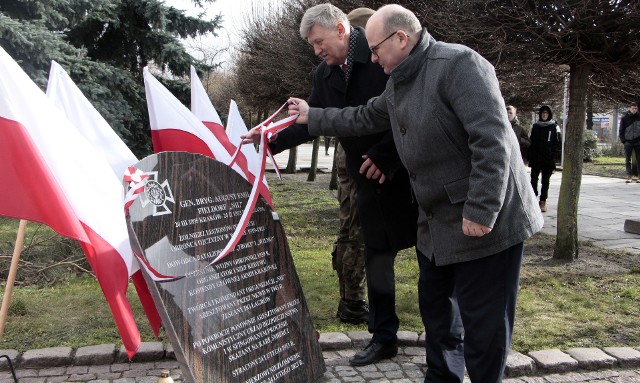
column 404, row 38
column 341, row 30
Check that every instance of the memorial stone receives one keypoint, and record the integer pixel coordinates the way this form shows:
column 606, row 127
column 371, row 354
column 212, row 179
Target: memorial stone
column 240, row 318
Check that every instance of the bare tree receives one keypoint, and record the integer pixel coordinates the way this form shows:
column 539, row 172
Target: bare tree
column 275, row 62
column 598, row 40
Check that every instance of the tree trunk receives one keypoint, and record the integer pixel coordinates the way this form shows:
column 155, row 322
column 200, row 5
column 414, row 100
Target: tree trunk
column 567, row 236
column 291, row 164
column 314, row 160
column 589, row 110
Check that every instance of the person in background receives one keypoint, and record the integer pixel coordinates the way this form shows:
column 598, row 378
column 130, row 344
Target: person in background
column 523, row 136
column 545, row 148
column 386, row 209
column 359, row 17
column 629, row 134
column 476, row 208
column 348, row 249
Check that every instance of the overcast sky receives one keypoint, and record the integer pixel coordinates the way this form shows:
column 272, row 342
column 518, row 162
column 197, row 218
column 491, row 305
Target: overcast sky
column 234, row 13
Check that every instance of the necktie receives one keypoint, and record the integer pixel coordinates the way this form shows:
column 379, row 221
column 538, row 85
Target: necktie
column 345, row 72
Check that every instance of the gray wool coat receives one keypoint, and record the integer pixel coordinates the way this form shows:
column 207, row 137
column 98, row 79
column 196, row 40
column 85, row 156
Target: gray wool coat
column 449, row 123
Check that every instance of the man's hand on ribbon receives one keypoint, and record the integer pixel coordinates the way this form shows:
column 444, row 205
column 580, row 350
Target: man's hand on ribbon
column 271, row 128
column 371, row 171
column 253, row 136
column 300, row 107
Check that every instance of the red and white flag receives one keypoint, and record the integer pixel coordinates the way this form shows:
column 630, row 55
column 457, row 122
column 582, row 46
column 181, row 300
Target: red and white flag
column 204, row 110
column 66, row 95
column 235, row 128
column 175, row 128
column 202, row 107
column 50, row 173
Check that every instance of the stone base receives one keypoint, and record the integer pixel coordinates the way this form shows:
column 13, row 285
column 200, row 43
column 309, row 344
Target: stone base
column 632, row 226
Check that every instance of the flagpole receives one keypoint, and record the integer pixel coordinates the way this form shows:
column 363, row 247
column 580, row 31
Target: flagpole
column 17, row 250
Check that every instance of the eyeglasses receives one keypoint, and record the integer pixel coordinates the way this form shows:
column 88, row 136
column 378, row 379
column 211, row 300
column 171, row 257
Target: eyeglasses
column 374, row 49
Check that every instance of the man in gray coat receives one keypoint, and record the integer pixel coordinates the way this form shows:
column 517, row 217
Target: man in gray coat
column 450, row 126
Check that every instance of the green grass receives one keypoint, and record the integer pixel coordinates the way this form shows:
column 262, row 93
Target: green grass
column 567, row 310
column 73, row 313
column 603, row 160
column 560, row 305
column 607, row 166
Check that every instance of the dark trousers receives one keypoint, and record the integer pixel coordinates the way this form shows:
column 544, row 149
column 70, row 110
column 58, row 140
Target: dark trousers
column 482, row 294
column 381, row 289
column 632, row 169
column 546, row 176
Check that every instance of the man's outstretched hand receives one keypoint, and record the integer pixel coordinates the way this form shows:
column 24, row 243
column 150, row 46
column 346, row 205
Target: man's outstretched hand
column 301, row 108
column 296, row 106
column 252, row 136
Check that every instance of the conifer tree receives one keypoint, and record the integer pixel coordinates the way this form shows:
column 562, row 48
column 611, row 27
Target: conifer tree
column 103, row 44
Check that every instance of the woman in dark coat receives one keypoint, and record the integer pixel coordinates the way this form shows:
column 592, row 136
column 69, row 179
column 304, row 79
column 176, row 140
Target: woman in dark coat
column 546, row 146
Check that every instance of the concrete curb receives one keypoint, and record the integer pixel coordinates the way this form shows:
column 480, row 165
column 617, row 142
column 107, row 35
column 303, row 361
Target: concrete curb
column 337, row 345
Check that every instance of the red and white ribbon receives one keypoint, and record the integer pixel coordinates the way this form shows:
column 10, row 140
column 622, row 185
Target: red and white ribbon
column 137, row 180
column 266, row 131
column 262, row 125
column 153, row 273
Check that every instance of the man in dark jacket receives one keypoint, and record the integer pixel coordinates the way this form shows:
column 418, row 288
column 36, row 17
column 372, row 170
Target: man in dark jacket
column 629, row 134
column 388, row 216
column 545, row 148
column 523, row 136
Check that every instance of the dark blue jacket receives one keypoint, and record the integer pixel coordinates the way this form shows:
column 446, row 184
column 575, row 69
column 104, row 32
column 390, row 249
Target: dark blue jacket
column 630, row 128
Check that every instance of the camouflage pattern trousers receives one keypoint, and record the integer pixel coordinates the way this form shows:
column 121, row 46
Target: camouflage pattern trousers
column 348, row 250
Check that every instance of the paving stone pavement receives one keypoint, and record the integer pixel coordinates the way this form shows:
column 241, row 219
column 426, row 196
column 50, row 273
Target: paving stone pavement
column 107, row 364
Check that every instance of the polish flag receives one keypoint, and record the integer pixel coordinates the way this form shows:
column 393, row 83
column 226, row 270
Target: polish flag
column 175, row 128
column 203, row 109
column 235, row 128
column 66, row 95
column 50, row 173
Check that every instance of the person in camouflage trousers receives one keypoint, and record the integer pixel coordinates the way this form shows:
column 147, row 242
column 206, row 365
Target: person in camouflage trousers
column 348, row 250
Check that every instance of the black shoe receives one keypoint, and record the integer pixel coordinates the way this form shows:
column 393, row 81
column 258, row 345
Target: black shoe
column 353, row 312
column 373, row 353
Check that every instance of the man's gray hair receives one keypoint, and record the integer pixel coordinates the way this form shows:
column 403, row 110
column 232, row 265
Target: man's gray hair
column 402, row 18
column 325, row 15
